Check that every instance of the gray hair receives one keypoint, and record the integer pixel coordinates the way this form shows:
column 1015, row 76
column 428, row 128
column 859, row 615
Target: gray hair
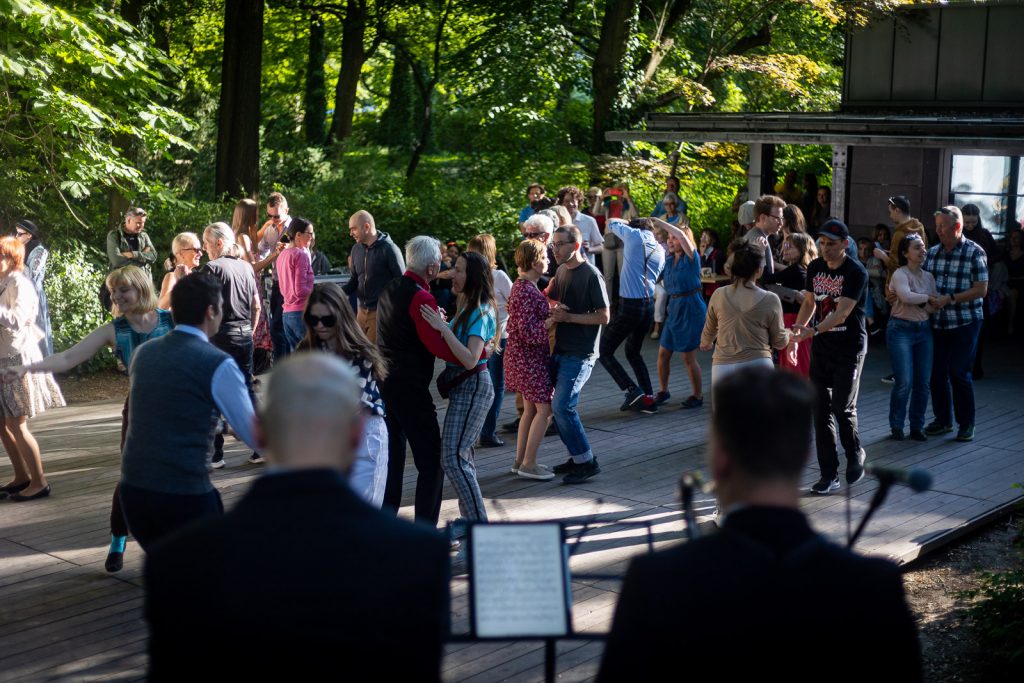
column 540, row 222
column 223, row 232
column 422, row 251
column 953, row 212
column 135, row 212
column 671, row 196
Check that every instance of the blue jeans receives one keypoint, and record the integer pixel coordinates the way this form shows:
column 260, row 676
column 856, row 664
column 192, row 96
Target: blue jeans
column 294, row 329
column 910, row 348
column 951, row 374
column 570, row 374
column 496, row 369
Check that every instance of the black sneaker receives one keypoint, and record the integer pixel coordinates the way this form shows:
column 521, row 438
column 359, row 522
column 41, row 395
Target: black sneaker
column 965, row 433
column 566, row 467
column 824, row 486
column 896, row 434
column 114, row 563
column 582, row 472
column 935, row 428
column 662, row 397
column 855, row 467
column 917, row 435
column 633, row 396
column 647, row 406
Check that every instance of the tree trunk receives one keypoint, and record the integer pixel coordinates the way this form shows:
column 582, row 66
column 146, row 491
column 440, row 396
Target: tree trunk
column 315, row 119
column 607, row 73
column 425, row 123
column 238, row 125
column 395, row 129
column 353, row 31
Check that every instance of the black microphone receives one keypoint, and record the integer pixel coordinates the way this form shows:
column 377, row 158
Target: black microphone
column 916, row 478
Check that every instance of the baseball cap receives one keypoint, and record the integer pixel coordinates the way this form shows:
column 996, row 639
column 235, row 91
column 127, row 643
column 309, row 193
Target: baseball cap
column 834, row 229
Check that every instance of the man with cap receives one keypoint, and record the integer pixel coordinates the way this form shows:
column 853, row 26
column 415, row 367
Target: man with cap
column 903, row 225
column 834, row 297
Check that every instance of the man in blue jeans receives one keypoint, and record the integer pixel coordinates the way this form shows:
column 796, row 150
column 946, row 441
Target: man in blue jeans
column 582, row 308
column 961, row 276
column 643, row 259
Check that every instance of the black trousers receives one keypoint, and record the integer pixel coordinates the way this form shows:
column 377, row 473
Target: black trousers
column 152, row 515
column 411, row 418
column 238, row 346
column 837, row 381
column 631, row 324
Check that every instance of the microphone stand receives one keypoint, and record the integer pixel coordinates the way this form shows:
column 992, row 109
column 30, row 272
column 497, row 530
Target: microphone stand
column 884, row 484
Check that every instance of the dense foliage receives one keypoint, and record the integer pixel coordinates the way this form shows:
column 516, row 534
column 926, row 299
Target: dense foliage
column 432, row 114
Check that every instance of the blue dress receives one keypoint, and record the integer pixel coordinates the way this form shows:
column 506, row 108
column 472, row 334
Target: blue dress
column 686, row 308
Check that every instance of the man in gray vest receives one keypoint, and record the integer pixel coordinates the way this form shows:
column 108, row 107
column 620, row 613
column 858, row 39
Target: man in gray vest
column 179, row 384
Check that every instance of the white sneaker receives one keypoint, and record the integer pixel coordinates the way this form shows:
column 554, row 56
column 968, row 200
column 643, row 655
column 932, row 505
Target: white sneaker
column 539, row 472
column 218, row 464
column 256, row 459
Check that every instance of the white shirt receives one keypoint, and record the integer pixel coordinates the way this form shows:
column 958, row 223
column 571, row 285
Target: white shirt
column 591, row 233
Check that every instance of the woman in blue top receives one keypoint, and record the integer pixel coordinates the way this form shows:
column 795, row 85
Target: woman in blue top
column 139, row 320
column 472, row 330
column 686, row 312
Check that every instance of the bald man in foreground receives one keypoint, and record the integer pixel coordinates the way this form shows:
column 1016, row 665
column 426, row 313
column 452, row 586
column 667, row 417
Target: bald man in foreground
column 376, row 261
column 301, row 579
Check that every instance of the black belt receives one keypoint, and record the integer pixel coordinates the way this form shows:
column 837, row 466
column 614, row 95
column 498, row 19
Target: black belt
column 679, row 296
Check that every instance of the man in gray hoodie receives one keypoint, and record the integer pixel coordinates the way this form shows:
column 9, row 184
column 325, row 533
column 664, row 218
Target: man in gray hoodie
column 375, row 261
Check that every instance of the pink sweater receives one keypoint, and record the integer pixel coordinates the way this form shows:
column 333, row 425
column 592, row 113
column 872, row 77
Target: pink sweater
column 295, row 278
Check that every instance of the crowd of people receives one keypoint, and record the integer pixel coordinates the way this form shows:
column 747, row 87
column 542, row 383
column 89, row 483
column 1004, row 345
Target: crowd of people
column 791, row 290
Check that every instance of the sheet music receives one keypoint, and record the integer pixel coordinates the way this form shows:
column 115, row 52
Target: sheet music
column 518, row 580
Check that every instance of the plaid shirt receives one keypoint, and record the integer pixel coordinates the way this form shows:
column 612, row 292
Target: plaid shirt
column 956, row 271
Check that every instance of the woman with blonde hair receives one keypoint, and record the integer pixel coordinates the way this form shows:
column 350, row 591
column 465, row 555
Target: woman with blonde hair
column 22, row 397
column 529, row 358
column 331, row 326
column 187, row 250
column 486, row 247
column 140, row 320
column 798, row 250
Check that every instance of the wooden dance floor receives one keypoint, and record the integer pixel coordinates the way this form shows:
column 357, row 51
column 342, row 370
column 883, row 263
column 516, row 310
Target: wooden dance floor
column 65, row 618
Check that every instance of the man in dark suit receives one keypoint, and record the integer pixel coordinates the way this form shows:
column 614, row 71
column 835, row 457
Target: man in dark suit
column 301, row 579
column 765, row 597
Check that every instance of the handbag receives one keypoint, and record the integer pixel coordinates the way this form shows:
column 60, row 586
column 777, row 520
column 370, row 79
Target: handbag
column 446, row 384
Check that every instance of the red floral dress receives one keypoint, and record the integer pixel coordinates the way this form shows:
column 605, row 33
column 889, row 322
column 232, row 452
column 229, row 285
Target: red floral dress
column 527, row 358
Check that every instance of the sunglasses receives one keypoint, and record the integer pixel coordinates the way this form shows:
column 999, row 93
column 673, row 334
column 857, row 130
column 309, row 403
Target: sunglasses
column 326, row 321
column 533, row 235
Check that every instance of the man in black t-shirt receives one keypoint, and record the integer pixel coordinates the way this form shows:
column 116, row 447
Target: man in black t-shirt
column 834, row 297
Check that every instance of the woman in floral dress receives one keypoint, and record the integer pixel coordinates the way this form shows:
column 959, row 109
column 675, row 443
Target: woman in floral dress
column 528, row 358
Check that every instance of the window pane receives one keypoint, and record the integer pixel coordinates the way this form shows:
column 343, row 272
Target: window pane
column 980, row 174
column 1020, row 209
column 991, row 209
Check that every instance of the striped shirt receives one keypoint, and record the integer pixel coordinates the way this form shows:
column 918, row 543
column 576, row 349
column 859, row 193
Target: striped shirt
column 956, row 271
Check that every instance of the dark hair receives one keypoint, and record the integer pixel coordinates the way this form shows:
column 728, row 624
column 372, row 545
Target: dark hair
column 763, row 420
column 765, row 203
column 533, row 185
column 298, row 225
column 477, row 292
column 888, row 233
column 541, row 204
column 192, row 295
column 351, row 343
column 904, row 247
column 747, row 258
column 276, row 199
column 712, row 235
column 793, row 218
column 966, row 210
column 570, row 191
column 572, row 231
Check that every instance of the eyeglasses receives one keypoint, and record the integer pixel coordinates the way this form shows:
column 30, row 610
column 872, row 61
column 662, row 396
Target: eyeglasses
column 326, row 320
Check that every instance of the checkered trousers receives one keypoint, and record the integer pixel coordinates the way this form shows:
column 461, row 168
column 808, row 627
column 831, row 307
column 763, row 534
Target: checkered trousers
column 956, row 271
column 468, row 405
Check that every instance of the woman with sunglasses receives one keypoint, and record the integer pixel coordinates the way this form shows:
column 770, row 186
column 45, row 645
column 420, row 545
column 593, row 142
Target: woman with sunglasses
column 473, row 328
column 331, row 326
column 140, row 319
column 187, row 251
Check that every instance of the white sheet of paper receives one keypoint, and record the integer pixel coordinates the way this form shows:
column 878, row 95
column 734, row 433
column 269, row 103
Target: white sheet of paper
column 519, row 580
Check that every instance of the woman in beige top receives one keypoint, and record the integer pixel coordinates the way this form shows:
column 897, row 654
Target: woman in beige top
column 909, row 337
column 744, row 321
